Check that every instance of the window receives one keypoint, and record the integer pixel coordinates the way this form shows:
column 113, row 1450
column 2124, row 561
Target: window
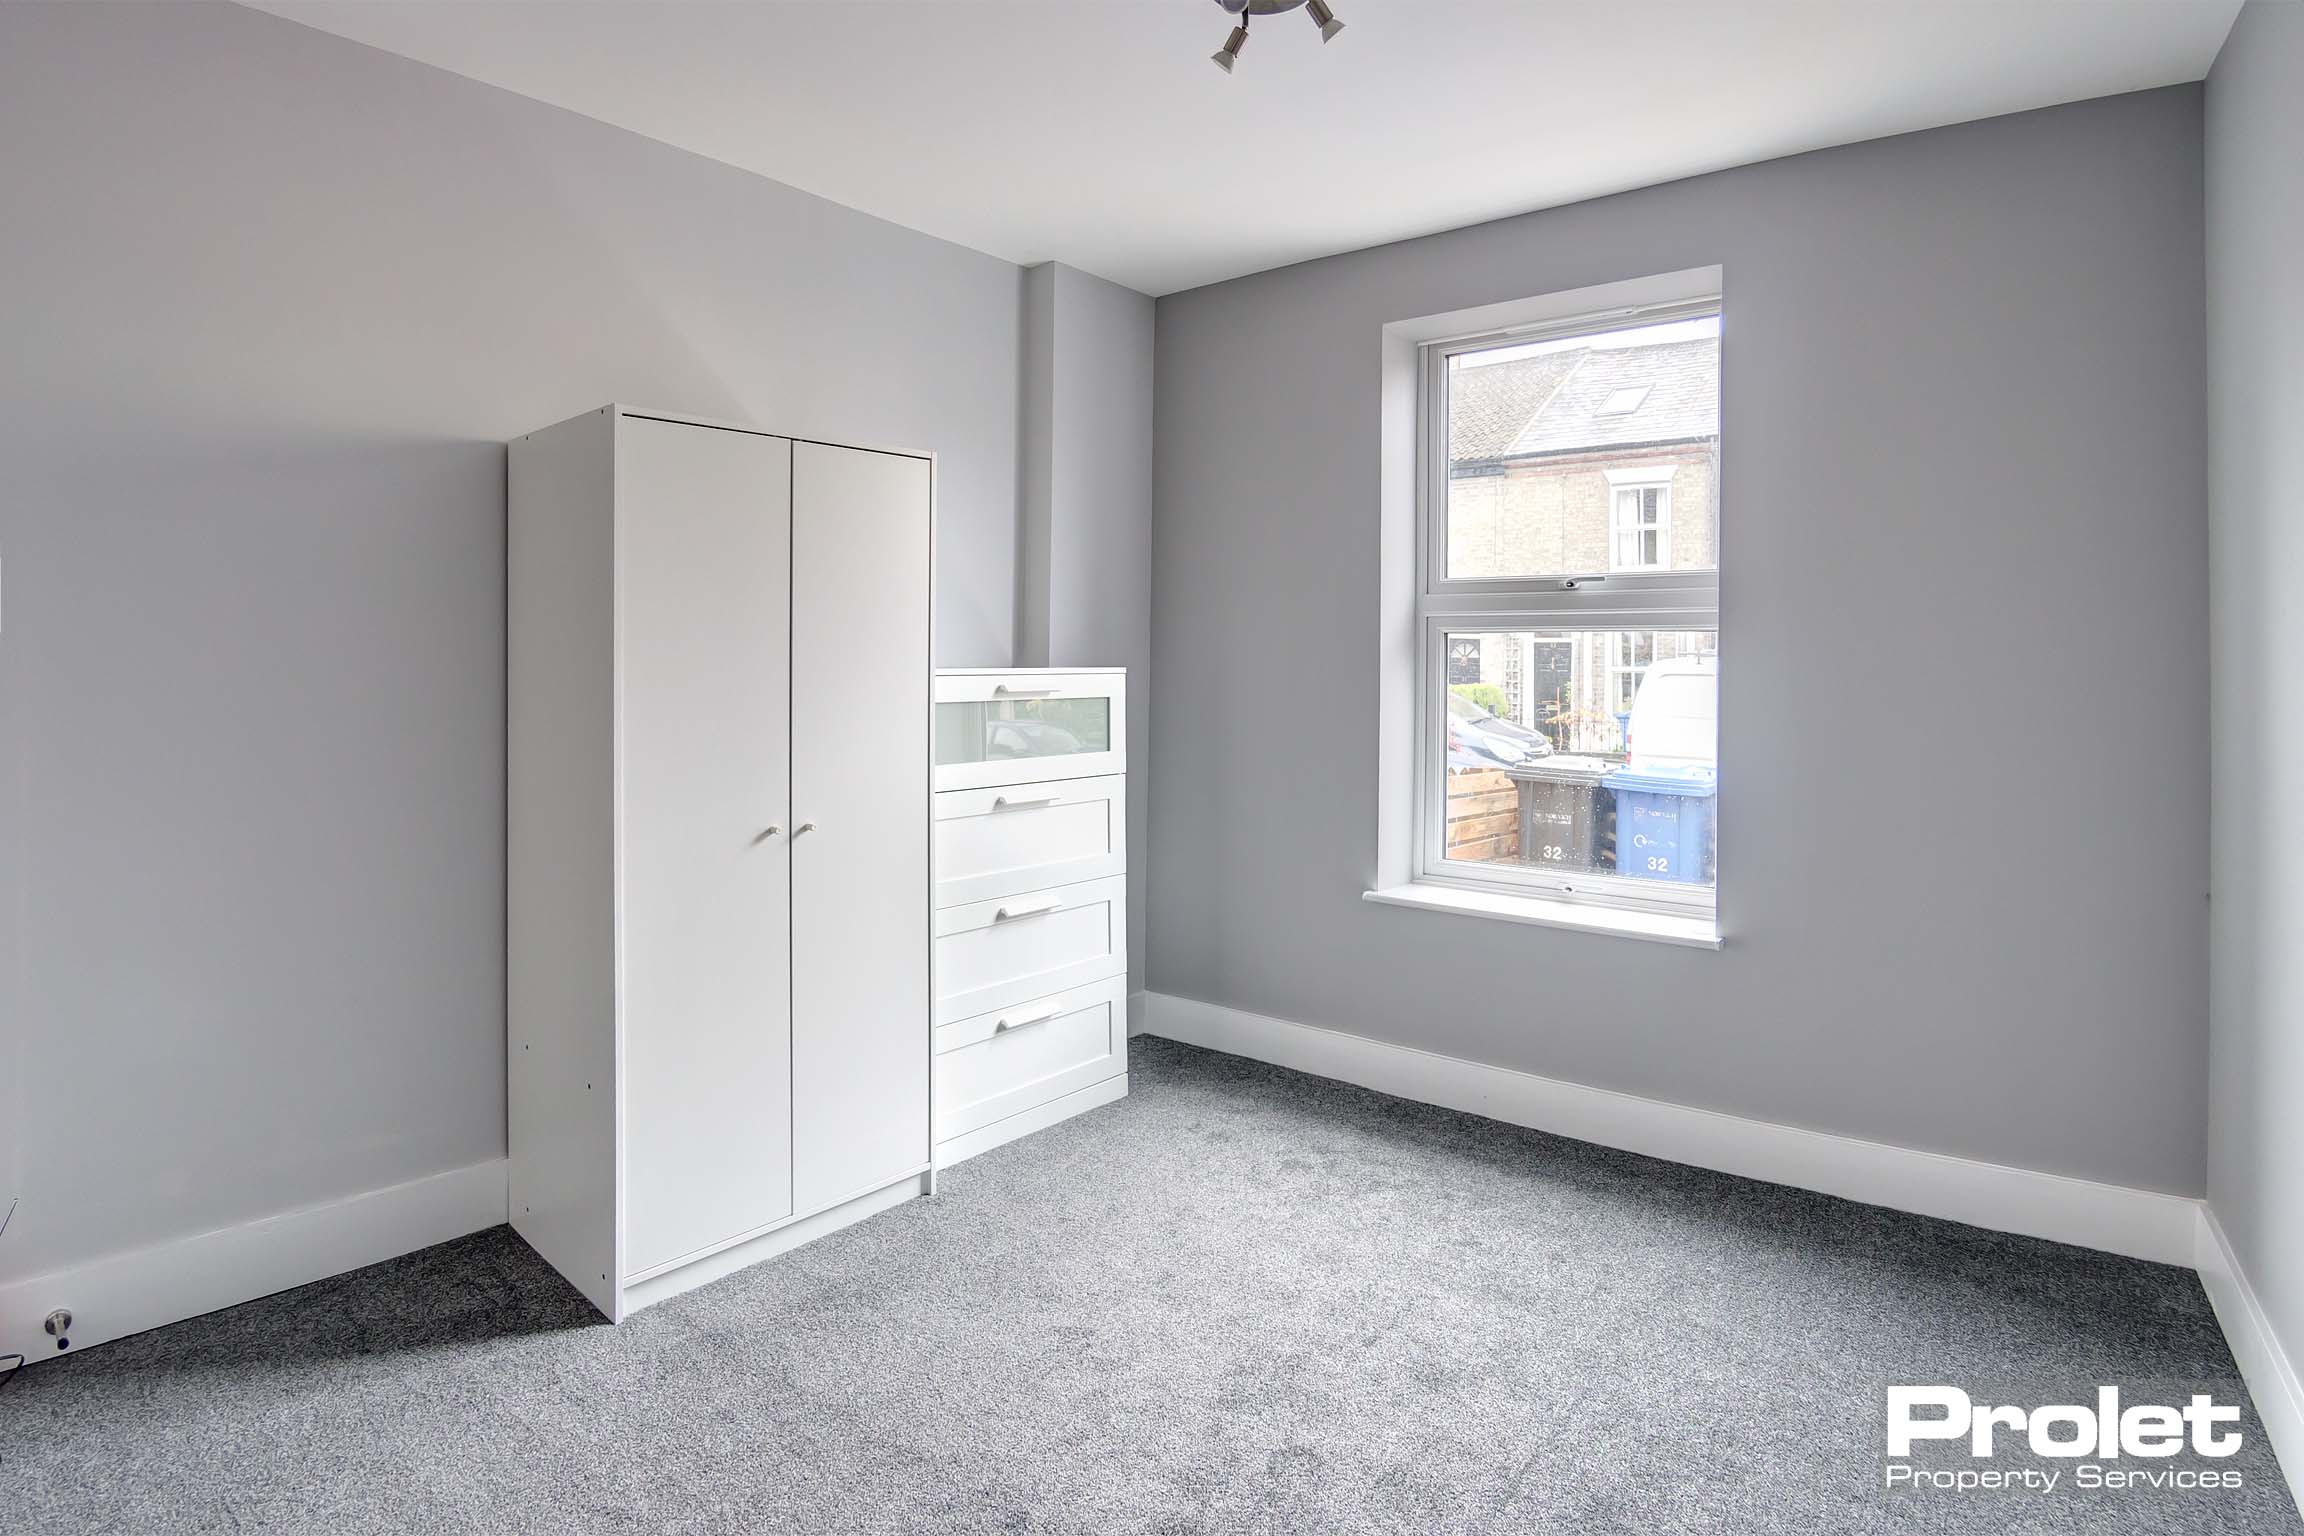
column 1568, row 609
column 1464, row 660
column 1640, row 528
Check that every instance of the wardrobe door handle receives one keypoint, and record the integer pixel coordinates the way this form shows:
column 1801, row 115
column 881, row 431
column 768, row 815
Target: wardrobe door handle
column 1023, row 803
column 1010, row 914
column 763, row 837
column 1002, row 690
column 1006, row 1025
column 806, row 826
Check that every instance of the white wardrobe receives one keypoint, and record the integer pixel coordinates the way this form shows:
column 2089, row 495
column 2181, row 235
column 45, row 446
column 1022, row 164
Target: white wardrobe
column 719, row 906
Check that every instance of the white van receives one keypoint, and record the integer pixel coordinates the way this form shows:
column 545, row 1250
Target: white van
column 1675, row 720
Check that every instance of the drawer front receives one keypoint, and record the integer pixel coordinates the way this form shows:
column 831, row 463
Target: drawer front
column 1027, row 837
column 995, row 728
column 1003, row 1063
column 995, row 954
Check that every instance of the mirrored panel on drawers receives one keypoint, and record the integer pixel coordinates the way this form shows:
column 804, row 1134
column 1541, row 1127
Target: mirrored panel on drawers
column 1025, row 727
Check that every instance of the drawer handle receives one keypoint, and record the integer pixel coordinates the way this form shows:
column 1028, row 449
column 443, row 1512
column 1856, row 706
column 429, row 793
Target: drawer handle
column 1022, row 803
column 1006, row 692
column 1010, row 914
column 1006, row 1025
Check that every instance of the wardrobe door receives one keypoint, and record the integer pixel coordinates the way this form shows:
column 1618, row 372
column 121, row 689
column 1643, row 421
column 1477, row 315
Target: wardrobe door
column 860, row 803
column 703, row 535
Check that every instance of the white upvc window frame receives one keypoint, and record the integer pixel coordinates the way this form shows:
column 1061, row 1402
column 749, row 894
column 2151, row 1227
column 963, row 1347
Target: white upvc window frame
column 1647, row 599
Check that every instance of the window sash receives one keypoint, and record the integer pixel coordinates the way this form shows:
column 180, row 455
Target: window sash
column 1649, row 597
column 1432, row 438
column 1432, row 863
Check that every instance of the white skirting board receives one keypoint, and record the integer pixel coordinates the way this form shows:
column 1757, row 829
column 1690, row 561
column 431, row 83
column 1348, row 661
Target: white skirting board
column 2270, row 1372
column 2140, row 1223
column 127, row 1293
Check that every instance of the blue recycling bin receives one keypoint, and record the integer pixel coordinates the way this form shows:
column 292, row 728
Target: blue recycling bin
column 1664, row 822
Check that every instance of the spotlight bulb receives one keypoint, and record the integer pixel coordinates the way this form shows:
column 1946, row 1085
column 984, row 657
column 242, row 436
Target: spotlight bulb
column 1229, row 54
column 1324, row 19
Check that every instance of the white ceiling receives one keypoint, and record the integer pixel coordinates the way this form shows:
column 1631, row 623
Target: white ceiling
column 1098, row 133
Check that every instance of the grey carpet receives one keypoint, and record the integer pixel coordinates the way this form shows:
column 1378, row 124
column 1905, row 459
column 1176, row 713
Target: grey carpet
column 1242, row 1300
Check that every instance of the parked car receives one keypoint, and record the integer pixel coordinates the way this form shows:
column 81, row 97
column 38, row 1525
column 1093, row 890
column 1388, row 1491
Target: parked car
column 1478, row 739
column 1675, row 721
column 1469, row 752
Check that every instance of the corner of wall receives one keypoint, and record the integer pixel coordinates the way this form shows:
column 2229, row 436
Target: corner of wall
column 1084, row 527
column 1035, row 467
column 2252, row 1229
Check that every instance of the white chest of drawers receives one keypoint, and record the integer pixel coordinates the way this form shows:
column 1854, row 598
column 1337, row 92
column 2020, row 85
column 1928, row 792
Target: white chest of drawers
column 1031, row 840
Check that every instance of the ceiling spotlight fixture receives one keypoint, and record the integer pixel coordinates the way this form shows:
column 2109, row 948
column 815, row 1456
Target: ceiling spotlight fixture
column 1229, row 54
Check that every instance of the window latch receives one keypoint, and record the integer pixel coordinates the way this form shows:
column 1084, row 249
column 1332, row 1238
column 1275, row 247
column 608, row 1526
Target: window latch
column 1571, row 583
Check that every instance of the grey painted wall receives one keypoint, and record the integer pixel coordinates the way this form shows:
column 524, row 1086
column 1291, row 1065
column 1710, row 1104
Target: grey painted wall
column 1964, row 638
column 1085, row 528
column 2256, row 542
column 272, row 302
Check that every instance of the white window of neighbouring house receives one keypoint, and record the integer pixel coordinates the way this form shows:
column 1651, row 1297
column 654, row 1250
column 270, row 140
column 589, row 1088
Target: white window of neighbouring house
column 1568, row 599
column 1643, row 527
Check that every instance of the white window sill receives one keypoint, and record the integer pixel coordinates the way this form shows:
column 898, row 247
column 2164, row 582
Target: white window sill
column 1623, row 922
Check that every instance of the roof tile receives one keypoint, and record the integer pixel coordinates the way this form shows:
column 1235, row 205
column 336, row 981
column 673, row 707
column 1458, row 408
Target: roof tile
column 1551, row 403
